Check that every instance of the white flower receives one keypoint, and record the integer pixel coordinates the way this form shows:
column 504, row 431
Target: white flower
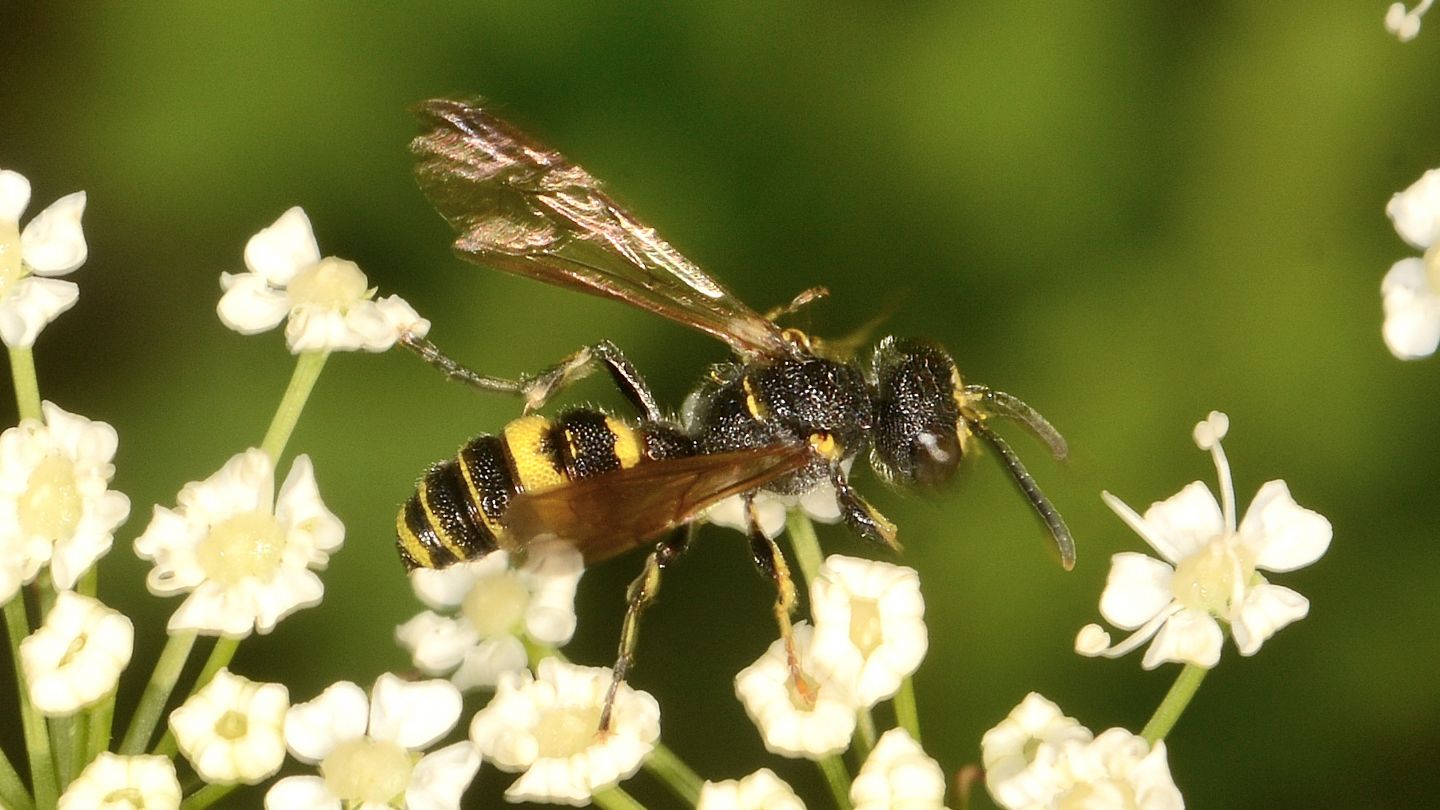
column 1405, row 23
column 812, row 724
column 52, row 244
column 1116, row 769
column 1411, row 290
column 1022, row 754
column 496, row 605
column 114, row 782
column 233, row 729
column 869, row 626
column 54, row 505
column 76, row 656
column 898, row 774
column 546, row 726
column 328, row 301
column 761, row 790
column 243, row 554
column 1211, row 569
column 369, row 751
column 1037, row 758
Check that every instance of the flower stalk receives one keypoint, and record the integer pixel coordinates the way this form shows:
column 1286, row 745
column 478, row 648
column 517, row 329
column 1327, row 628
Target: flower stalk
column 677, row 776
column 614, row 798
column 287, row 415
column 12, row 789
column 157, row 692
column 27, row 387
column 37, row 739
column 207, row 796
column 907, row 714
column 807, row 546
column 1174, row 703
column 837, row 779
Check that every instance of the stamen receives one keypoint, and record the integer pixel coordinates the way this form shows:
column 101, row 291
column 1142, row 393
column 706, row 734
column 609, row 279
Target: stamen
column 1207, row 436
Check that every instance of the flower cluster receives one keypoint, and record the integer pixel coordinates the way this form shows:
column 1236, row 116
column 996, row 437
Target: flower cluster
column 1210, row 573
column 1039, row 758
column 51, row 244
column 1411, row 289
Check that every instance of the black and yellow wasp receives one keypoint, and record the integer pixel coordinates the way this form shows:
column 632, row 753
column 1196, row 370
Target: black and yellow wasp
column 785, row 416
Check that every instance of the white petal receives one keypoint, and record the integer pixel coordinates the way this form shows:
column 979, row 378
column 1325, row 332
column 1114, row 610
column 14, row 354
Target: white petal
column 53, row 243
column 440, row 778
column 488, row 661
column 300, row 793
column 285, row 247
column 1190, row 636
column 14, row 196
column 313, row 729
column 1412, row 310
column 1283, row 534
column 1266, row 609
column 1416, row 210
column 413, row 715
column 1137, row 589
column 437, row 644
column 1184, row 522
column 33, row 303
column 446, row 588
column 299, row 507
column 250, row 305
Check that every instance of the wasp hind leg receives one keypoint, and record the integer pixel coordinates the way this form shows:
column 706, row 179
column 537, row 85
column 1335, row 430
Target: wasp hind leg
column 640, row 595
column 537, row 389
column 771, row 562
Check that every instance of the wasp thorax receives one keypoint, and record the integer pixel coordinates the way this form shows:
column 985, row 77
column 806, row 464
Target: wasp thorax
column 916, row 437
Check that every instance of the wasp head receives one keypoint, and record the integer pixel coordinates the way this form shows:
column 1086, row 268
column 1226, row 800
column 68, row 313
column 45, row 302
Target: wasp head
column 917, row 435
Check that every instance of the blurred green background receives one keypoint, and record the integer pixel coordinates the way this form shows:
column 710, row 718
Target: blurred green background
column 1128, row 214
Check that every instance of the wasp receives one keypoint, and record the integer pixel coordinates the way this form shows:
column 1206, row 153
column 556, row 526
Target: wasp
column 786, row 416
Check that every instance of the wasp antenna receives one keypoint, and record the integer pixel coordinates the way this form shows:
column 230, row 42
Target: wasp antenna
column 999, row 403
column 1046, row 510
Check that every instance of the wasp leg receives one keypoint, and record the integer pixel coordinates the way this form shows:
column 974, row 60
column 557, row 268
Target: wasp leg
column 539, row 388
column 771, row 562
column 862, row 518
column 640, row 595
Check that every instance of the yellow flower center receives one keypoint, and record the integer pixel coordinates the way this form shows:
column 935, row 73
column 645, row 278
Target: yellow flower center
column 867, row 632
column 330, row 283
column 126, row 798
column 368, row 770
column 77, row 646
column 232, row 725
column 1106, row 795
column 1432, row 266
column 12, row 269
column 496, row 606
column 567, row 730
column 51, row 505
column 249, row 544
column 1206, row 580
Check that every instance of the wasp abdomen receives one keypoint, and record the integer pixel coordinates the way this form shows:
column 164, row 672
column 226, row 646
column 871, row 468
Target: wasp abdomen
column 458, row 509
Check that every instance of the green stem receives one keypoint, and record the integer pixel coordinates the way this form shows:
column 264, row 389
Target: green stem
column 37, row 738
column 1170, row 709
column 307, row 371
column 670, row 769
column 206, row 796
column 906, row 713
column 864, row 734
column 613, row 798
column 805, row 543
column 67, row 740
column 27, row 387
column 220, row 657
column 101, row 716
column 157, row 693
column 90, row 582
column 836, row 777
column 12, row 789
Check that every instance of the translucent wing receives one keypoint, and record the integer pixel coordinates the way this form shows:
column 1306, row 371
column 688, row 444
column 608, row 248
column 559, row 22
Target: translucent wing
column 523, row 208
column 615, row 512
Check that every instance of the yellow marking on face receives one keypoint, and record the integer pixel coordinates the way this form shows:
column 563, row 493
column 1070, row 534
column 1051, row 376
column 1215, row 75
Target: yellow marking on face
column 824, row 444
column 752, row 402
column 627, row 443
column 535, row 469
column 411, row 543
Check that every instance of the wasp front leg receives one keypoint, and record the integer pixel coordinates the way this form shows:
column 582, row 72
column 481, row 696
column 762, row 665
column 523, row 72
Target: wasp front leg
column 537, row 389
